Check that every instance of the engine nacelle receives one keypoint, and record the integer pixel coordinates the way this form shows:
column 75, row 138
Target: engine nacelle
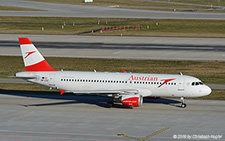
column 132, row 100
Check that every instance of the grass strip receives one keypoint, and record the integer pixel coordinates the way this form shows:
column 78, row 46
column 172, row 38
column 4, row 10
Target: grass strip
column 68, row 26
column 11, row 8
column 206, row 2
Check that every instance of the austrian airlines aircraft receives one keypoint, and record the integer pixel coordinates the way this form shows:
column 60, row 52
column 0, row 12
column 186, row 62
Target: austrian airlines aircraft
column 127, row 88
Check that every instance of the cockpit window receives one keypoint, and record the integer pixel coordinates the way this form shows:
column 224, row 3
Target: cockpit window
column 196, row 83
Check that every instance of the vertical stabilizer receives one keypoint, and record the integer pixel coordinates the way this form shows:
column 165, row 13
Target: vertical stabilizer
column 32, row 58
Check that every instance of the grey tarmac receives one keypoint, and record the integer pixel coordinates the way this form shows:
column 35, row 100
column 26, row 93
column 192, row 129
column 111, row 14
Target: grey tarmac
column 158, row 48
column 68, row 10
column 48, row 116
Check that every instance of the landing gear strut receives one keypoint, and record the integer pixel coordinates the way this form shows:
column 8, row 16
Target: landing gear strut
column 183, row 105
column 110, row 103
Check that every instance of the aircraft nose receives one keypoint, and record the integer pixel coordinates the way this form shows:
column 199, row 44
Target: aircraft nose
column 207, row 90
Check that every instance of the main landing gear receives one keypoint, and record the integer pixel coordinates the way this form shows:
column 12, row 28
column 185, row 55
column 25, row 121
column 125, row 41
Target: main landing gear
column 110, row 103
column 183, row 105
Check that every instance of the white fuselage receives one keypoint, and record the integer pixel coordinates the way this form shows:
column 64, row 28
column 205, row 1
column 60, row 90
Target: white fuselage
column 155, row 85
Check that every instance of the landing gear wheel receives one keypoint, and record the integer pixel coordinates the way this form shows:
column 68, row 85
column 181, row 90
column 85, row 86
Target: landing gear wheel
column 183, row 105
column 109, row 104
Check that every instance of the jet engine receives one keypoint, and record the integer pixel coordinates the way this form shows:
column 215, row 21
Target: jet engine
column 132, row 100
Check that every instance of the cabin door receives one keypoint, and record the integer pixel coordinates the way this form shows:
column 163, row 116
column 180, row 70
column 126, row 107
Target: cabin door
column 52, row 81
column 181, row 85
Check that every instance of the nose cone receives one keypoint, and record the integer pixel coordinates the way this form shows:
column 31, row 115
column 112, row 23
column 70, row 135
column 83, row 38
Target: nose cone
column 207, row 90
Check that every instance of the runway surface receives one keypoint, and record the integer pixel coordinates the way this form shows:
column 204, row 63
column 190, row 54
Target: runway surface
column 159, row 48
column 67, row 10
column 48, row 116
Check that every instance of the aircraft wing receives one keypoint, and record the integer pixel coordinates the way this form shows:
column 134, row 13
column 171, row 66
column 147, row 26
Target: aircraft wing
column 121, row 92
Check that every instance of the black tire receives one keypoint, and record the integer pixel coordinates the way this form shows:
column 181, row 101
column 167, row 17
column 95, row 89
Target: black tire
column 109, row 104
column 183, row 105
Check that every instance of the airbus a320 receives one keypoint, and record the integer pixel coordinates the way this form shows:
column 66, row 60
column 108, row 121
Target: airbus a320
column 124, row 87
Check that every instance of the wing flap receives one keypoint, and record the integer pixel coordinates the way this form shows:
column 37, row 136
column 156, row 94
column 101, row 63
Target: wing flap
column 122, row 92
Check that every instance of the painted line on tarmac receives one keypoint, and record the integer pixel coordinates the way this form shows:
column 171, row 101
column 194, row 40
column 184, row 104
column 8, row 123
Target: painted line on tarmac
column 142, row 139
column 188, row 107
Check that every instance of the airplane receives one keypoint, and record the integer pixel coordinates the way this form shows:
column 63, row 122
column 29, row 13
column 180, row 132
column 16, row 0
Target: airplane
column 125, row 87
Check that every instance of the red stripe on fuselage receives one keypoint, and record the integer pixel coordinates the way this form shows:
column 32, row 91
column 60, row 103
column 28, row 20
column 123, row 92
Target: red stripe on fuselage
column 165, row 81
column 41, row 66
column 24, row 41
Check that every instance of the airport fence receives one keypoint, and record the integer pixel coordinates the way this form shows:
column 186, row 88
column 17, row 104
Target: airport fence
column 120, row 28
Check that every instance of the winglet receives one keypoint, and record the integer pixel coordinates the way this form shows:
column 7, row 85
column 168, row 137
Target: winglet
column 123, row 70
column 61, row 92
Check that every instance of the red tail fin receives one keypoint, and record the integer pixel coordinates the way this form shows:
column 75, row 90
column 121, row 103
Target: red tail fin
column 32, row 58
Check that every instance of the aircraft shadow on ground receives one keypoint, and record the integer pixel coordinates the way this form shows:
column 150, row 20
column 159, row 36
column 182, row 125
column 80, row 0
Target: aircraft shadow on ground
column 74, row 99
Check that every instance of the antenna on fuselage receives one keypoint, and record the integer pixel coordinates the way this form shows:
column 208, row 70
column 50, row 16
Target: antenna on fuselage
column 181, row 73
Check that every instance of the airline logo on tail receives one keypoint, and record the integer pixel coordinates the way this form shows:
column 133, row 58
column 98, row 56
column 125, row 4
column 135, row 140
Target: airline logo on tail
column 29, row 53
column 33, row 60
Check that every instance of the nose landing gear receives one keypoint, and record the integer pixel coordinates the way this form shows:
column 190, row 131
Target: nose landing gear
column 183, row 105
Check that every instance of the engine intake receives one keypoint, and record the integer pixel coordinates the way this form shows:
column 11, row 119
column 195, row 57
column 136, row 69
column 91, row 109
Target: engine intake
column 132, row 100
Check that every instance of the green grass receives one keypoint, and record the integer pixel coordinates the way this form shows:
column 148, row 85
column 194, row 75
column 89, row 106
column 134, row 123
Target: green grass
column 208, row 72
column 23, row 87
column 10, row 8
column 165, row 27
column 34, row 88
column 215, row 95
column 53, row 25
column 177, row 28
column 209, row 2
